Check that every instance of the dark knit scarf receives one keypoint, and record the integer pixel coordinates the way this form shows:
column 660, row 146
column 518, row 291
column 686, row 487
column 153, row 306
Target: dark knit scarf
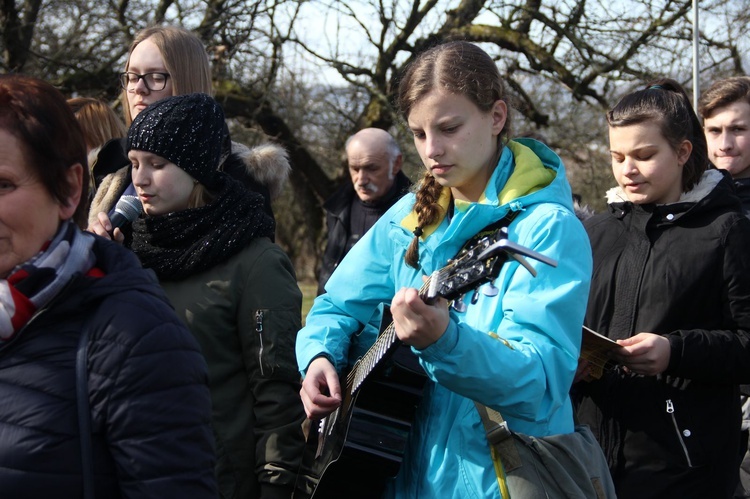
column 33, row 284
column 183, row 243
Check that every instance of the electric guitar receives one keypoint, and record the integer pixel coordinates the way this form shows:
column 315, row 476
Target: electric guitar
column 358, row 446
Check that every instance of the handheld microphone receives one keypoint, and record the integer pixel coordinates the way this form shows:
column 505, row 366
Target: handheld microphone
column 128, row 208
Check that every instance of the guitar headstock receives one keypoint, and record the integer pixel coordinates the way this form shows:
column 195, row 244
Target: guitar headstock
column 479, row 264
column 468, row 271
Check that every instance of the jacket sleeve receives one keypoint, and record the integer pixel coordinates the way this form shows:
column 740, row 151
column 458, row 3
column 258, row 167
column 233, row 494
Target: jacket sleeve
column 270, row 308
column 351, row 306
column 721, row 355
column 524, row 347
column 158, row 409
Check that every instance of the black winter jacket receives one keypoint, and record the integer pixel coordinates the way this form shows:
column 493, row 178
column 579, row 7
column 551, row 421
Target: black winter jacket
column 150, row 405
column 681, row 270
column 742, row 186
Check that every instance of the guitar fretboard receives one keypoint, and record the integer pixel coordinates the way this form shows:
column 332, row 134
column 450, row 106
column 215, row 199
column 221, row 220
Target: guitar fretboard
column 387, row 340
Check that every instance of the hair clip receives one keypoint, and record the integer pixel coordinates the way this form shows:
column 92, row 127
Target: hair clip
column 655, row 87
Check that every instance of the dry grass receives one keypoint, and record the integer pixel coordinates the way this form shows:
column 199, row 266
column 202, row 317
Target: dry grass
column 309, row 291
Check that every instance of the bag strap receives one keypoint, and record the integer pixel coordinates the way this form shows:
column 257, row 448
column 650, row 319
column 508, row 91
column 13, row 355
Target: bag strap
column 498, row 433
column 488, row 229
column 84, row 414
column 505, row 456
column 499, row 436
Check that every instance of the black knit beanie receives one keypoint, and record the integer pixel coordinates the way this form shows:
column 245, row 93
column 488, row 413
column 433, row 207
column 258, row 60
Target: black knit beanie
column 186, row 130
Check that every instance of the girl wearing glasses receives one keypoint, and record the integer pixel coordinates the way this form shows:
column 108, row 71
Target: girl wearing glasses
column 164, row 61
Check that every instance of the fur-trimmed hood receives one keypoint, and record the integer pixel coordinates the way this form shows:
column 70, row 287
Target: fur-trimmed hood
column 268, row 164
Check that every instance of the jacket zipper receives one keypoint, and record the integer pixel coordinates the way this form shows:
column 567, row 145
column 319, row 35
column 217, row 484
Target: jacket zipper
column 259, row 330
column 670, row 411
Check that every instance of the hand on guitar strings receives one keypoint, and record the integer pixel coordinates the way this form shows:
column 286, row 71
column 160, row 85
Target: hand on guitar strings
column 417, row 323
column 321, row 391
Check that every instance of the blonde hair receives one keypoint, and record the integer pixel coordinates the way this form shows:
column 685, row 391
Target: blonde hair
column 98, row 121
column 185, row 59
column 200, row 196
column 460, row 68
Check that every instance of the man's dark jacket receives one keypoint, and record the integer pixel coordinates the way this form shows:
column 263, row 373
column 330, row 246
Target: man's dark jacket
column 338, row 209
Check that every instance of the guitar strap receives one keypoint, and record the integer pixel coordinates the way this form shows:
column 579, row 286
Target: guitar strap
column 503, row 449
column 489, row 229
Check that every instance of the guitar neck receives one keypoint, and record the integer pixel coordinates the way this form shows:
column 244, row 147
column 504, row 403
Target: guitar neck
column 383, row 346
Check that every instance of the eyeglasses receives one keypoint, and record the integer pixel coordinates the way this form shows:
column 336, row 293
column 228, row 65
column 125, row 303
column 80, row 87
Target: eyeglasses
column 153, row 81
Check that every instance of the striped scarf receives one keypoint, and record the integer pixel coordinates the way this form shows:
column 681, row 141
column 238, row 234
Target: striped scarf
column 33, row 284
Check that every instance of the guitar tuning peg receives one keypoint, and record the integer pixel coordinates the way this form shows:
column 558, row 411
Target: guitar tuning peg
column 458, row 305
column 490, row 289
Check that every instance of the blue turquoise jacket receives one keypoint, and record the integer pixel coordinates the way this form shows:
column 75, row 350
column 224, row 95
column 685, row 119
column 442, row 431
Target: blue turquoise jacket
column 516, row 352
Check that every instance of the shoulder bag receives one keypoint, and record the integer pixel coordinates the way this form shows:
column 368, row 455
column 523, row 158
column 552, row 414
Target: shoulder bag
column 567, row 465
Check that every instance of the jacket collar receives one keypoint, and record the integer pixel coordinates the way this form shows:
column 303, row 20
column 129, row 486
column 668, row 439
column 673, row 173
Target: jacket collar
column 713, row 191
column 707, row 183
column 519, row 172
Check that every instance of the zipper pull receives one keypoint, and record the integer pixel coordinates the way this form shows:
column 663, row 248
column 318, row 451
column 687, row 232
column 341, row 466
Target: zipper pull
column 259, row 321
column 259, row 330
column 670, row 406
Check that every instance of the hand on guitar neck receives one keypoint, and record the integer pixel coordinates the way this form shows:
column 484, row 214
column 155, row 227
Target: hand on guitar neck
column 419, row 321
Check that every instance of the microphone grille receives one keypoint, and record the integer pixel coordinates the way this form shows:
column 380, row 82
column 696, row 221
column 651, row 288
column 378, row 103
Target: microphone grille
column 130, row 207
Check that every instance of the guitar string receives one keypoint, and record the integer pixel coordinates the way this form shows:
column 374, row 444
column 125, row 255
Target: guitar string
column 382, row 345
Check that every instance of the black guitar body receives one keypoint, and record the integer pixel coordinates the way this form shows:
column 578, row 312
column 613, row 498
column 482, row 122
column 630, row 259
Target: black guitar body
column 360, row 455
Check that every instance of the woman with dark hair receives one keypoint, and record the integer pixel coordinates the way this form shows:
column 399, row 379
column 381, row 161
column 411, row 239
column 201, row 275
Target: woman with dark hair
column 671, row 284
column 79, row 313
column 512, row 345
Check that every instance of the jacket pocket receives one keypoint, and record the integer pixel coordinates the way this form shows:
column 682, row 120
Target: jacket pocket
column 276, row 332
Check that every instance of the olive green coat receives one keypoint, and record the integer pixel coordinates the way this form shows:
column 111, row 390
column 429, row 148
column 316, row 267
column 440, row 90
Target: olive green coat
column 245, row 313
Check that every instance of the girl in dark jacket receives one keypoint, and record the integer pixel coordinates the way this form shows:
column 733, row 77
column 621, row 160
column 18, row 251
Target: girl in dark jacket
column 207, row 237
column 671, row 284
column 145, row 380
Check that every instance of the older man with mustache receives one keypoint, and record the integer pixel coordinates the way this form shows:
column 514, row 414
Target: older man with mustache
column 374, row 161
